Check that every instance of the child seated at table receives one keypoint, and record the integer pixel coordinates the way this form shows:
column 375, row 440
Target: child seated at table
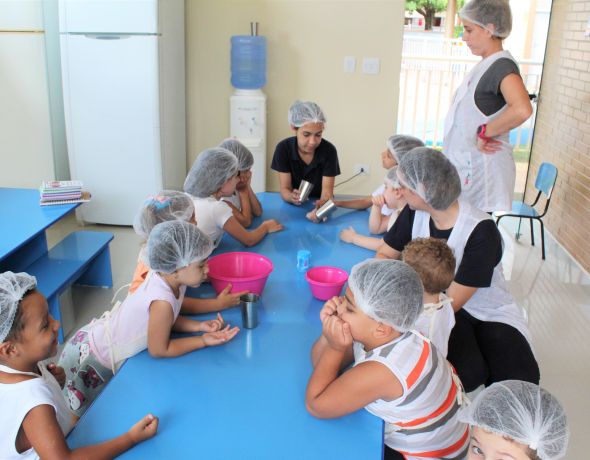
column 517, row 420
column 177, row 254
column 34, row 418
column 214, row 175
column 243, row 202
column 398, row 375
column 393, row 200
column 166, row 206
column 397, row 146
column 434, row 262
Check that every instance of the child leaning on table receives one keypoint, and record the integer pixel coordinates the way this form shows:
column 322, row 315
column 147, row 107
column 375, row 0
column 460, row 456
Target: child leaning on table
column 394, row 201
column 516, row 420
column 177, row 254
column 434, row 262
column 166, row 206
column 34, row 418
column 214, row 175
column 243, row 202
column 397, row 375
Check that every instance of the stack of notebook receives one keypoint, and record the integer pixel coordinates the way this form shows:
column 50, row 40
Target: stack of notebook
column 62, row 192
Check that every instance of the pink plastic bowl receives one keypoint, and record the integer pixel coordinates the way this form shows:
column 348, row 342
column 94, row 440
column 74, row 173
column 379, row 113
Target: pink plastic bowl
column 246, row 271
column 326, row 282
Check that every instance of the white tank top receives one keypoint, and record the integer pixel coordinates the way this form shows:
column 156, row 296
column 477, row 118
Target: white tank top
column 424, row 419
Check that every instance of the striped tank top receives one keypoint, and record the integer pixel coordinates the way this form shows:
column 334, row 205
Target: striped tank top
column 423, row 422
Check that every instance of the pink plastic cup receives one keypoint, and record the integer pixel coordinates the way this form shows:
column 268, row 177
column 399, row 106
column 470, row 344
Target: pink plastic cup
column 326, row 282
column 246, row 271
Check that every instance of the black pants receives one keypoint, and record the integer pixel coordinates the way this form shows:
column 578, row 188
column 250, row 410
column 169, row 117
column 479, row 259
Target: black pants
column 484, row 352
column 390, row 454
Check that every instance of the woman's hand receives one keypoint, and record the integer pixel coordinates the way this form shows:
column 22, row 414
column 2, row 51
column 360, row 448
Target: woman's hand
column 337, row 333
column 217, row 338
column 212, row 325
column 58, row 372
column 311, row 215
column 347, row 235
column 295, row 197
column 146, row 428
column 489, row 146
column 226, row 299
column 272, row 225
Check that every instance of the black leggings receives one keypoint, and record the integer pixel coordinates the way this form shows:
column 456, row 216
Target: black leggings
column 390, row 454
column 484, row 352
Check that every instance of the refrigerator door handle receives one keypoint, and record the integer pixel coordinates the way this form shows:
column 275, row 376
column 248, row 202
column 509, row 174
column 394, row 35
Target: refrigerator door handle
column 106, row 36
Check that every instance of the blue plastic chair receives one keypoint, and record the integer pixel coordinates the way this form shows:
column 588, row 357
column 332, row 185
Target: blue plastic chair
column 544, row 183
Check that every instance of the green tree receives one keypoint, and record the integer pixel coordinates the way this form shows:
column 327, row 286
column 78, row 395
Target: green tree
column 428, row 8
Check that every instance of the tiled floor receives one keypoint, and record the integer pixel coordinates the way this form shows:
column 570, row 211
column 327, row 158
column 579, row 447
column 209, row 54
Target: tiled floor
column 555, row 293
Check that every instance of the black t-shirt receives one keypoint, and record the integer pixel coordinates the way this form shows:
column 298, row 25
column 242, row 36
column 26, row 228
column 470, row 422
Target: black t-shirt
column 482, row 252
column 488, row 97
column 286, row 159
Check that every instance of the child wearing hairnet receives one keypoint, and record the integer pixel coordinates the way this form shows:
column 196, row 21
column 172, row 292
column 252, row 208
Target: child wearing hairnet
column 306, row 155
column 213, row 176
column 379, row 222
column 397, row 374
column 517, row 420
column 177, row 254
column 166, row 206
column 243, row 202
column 434, row 262
column 34, row 418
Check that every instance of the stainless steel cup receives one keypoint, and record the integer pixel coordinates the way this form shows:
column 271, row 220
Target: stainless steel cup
column 249, row 310
column 325, row 210
column 304, row 190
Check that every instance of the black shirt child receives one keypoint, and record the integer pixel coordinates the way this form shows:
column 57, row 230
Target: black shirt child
column 286, row 159
column 483, row 250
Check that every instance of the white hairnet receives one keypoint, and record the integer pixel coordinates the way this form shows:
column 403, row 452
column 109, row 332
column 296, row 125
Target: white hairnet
column 302, row 112
column 13, row 287
column 244, row 156
column 523, row 412
column 484, row 12
column 400, row 144
column 175, row 244
column 166, row 205
column 212, row 168
column 391, row 177
column 389, row 291
column 431, row 175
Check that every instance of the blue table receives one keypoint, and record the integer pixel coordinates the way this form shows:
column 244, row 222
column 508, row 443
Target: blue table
column 245, row 399
column 22, row 227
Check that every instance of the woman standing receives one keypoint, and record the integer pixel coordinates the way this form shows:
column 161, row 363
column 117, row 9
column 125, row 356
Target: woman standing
column 490, row 102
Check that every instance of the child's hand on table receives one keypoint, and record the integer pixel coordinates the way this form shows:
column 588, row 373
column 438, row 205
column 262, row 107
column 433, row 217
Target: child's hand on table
column 212, row 325
column 347, row 235
column 226, row 299
column 337, row 333
column 272, row 225
column 58, row 372
column 146, row 428
column 217, row 338
column 295, row 195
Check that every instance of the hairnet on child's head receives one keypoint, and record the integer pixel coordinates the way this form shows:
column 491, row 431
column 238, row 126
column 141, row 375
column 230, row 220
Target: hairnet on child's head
column 484, row 12
column 391, row 177
column 400, row 144
column 166, row 205
column 244, row 156
column 431, row 175
column 212, row 168
column 389, row 291
column 13, row 287
column 302, row 112
column 524, row 412
column 175, row 244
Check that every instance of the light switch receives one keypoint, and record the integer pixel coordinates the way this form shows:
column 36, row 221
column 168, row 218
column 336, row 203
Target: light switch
column 371, row 66
column 349, row 64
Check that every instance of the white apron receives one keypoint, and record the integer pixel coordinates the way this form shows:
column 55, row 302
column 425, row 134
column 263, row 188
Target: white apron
column 493, row 303
column 487, row 180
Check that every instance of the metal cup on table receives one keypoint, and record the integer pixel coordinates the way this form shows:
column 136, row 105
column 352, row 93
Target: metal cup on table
column 249, row 304
column 325, row 210
column 304, row 190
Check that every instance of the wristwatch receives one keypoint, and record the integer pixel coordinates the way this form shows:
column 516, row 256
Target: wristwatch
column 481, row 132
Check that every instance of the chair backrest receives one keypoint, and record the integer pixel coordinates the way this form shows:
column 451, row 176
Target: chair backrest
column 546, row 178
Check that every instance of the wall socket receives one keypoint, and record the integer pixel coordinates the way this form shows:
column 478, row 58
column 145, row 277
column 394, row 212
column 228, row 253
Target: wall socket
column 361, row 168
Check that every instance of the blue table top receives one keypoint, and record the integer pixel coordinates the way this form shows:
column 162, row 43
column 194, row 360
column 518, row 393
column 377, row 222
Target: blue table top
column 23, row 218
column 245, row 399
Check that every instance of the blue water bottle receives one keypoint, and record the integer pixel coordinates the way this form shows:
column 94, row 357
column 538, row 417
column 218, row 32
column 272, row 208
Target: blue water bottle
column 248, row 60
column 303, row 256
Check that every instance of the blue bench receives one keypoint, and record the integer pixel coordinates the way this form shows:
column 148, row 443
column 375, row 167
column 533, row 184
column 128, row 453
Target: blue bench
column 82, row 257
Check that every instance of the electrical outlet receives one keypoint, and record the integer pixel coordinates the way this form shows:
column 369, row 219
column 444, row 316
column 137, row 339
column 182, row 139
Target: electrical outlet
column 361, row 168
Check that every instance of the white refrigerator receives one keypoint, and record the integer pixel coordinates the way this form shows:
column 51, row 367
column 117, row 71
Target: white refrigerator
column 124, row 101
